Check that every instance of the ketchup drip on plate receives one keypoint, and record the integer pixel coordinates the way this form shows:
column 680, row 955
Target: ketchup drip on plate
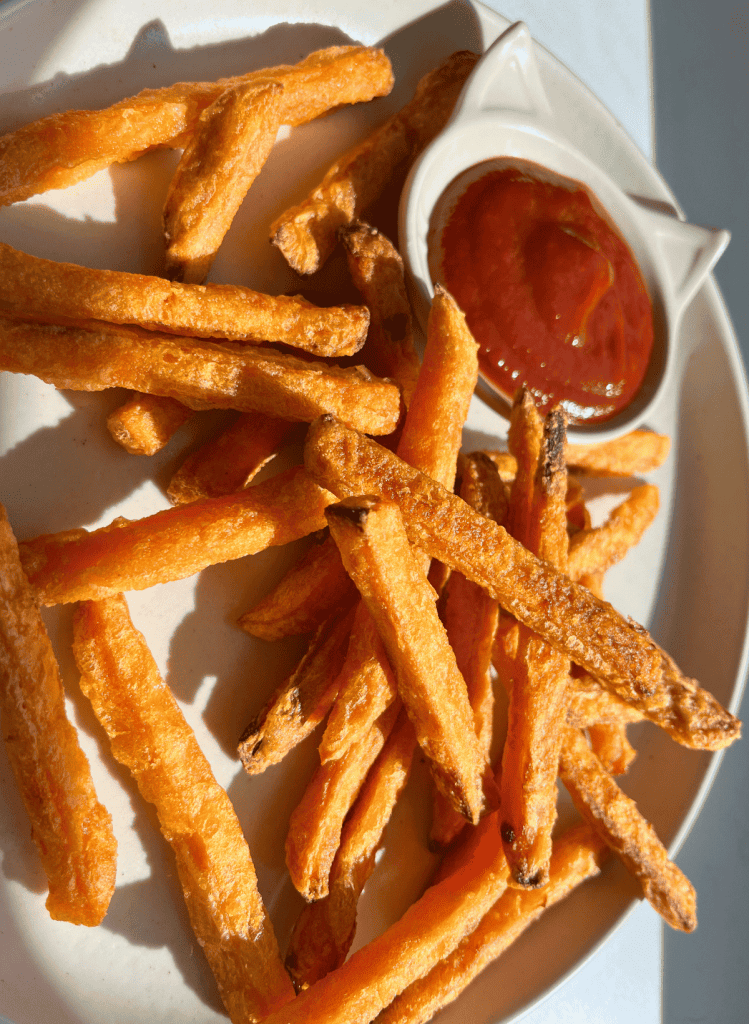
column 552, row 294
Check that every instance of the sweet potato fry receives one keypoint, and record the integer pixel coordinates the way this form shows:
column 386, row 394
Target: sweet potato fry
column 430, row 440
column 315, row 825
column 640, row 451
column 378, row 557
column 470, row 617
column 429, row 930
column 145, row 423
column 616, row 651
column 201, row 374
column 71, row 829
column 306, row 233
column 307, row 595
column 170, row 545
column 376, row 268
column 590, row 704
column 149, row 735
column 577, row 855
column 88, row 140
column 325, row 929
column 608, row 741
column 619, row 823
column 226, row 151
column 43, row 290
column 229, row 462
column 300, row 703
column 598, row 548
column 538, row 694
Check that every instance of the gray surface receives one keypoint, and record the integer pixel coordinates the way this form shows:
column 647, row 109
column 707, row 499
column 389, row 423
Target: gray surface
column 701, row 87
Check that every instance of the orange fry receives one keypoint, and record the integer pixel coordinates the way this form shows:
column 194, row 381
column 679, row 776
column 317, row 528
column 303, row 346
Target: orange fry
column 306, row 233
column 429, row 930
column 378, row 557
column 201, row 374
column 230, row 461
column 92, row 139
column 619, row 653
column 315, row 825
column 149, row 735
column 226, row 151
column 640, row 451
column 377, row 271
column 178, row 542
column 589, row 704
column 39, row 289
column 325, row 929
column 146, row 423
column 71, row 829
column 307, row 595
column 300, row 703
column 577, row 855
column 609, row 743
column 619, row 823
column 598, row 548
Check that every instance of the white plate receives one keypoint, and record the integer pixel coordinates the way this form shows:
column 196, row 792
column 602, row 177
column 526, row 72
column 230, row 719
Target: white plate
column 687, row 580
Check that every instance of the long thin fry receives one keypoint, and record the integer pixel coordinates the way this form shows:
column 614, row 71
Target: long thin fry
column 376, row 268
column 306, row 233
column 39, row 289
column 304, row 598
column 146, row 423
column 589, row 704
column 429, row 930
column 92, row 139
column 229, row 462
column 228, row 147
column 430, row 441
column 324, row 931
column 178, row 542
column 201, row 374
column 378, row 557
column 608, row 741
column 538, row 694
column 616, row 651
column 598, row 548
column 315, row 826
column 300, row 703
column 150, row 736
column 619, row 823
column 71, row 829
column 640, row 451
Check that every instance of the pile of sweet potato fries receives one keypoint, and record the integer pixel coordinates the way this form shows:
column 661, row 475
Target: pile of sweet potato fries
column 440, row 578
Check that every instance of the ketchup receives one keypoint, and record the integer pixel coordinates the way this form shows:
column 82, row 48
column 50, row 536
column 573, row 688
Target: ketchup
column 551, row 293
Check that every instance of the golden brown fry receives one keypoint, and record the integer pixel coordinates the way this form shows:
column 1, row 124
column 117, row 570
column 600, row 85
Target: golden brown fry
column 596, row 549
column 71, row 829
column 618, row 652
column 640, row 451
column 145, row 423
column 325, row 929
column 30, row 158
column 430, row 441
column 150, row 736
column 315, row 825
column 538, row 692
column 577, row 855
column 201, row 374
column 306, row 233
column 300, row 703
column 609, row 743
column 229, row 462
column 44, row 290
column 619, row 823
column 590, row 704
column 429, row 930
column 307, row 595
column 377, row 271
column 471, row 617
column 170, row 545
column 226, row 151
column 378, row 557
